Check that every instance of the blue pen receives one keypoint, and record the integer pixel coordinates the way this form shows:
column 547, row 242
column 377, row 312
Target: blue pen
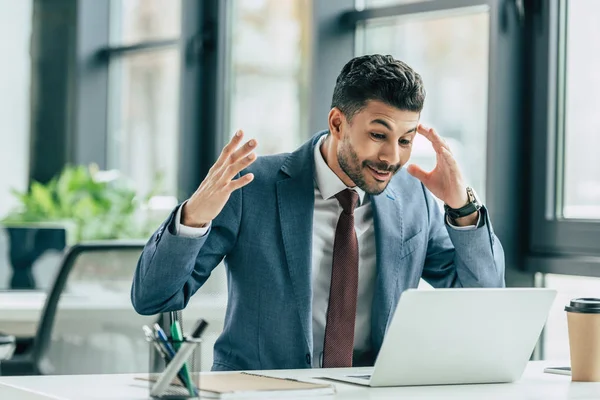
column 161, row 350
column 162, row 338
column 178, row 361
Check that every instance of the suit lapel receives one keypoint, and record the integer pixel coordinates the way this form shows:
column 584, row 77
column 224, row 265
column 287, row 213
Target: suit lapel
column 389, row 236
column 295, row 201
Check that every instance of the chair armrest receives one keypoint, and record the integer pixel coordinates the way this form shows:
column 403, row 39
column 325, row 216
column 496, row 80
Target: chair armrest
column 24, row 345
column 17, row 366
column 21, row 363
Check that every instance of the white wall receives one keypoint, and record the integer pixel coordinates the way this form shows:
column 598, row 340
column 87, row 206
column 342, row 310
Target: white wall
column 15, row 66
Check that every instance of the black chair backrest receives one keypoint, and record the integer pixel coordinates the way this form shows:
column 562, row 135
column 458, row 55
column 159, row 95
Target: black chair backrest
column 44, row 332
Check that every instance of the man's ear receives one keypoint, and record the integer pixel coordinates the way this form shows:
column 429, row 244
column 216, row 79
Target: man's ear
column 336, row 119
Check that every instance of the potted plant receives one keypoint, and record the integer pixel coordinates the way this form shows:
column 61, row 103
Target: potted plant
column 81, row 203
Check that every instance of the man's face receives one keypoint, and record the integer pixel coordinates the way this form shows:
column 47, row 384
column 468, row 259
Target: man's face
column 376, row 144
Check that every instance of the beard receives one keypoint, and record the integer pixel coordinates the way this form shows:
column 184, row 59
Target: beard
column 355, row 169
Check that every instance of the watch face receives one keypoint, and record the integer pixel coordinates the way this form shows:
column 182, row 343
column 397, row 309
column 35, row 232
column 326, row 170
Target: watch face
column 471, row 195
column 473, row 198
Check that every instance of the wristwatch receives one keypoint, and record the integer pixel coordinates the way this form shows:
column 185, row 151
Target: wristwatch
column 473, row 205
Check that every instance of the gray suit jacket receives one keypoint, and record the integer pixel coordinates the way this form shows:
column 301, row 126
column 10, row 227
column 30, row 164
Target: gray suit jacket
column 264, row 233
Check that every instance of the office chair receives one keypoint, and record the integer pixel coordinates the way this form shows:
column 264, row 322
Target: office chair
column 88, row 324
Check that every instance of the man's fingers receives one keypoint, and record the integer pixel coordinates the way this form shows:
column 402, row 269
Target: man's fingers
column 230, row 155
column 233, row 143
column 449, row 160
column 433, row 137
column 235, row 168
column 418, row 172
column 243, row 151
column 241, row 182
column 230, row 148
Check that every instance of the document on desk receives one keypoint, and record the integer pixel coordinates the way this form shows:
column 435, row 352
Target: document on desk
column 248, row 385
column 244, row 384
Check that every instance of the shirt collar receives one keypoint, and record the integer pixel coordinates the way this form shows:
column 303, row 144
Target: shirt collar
column 328, row 183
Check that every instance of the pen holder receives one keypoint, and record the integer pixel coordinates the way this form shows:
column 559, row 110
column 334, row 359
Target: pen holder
column 186, row 382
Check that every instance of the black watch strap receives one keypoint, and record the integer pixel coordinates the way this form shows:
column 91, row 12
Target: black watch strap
column 473, row 205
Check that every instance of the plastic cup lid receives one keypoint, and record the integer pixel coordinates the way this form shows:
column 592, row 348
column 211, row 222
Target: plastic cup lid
column 584, row 305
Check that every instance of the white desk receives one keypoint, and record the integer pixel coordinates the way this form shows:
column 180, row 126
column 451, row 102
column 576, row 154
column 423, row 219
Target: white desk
column 534, row 385
column 20, row 311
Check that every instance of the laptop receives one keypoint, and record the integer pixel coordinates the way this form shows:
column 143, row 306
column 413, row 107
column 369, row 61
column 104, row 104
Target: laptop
column 458, row 336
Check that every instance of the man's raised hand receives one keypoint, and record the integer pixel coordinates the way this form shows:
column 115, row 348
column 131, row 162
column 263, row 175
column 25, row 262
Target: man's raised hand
column 445, row 181
column 214, row 191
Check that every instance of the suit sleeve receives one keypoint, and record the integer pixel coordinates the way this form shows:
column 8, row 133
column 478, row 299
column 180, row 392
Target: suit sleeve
column 173, row 267
column 462, row 258
column 181, row 230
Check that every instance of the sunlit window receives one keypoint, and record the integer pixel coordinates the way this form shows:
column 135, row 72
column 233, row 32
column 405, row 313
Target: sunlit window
column 268, row 72
column 451, row 55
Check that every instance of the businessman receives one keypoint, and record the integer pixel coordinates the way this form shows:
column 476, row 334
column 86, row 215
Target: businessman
column 320, row 243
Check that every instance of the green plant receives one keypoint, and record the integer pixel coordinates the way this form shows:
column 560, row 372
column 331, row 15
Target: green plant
column 98, row 207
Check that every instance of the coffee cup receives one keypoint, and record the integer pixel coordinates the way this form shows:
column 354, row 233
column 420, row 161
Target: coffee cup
column 583, row 318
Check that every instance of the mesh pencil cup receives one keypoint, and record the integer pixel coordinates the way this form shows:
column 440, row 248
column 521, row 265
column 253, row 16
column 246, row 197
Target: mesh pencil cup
column 184, row 377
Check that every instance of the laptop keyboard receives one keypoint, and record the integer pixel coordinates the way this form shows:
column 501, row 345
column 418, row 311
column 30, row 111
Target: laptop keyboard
column 366, row 377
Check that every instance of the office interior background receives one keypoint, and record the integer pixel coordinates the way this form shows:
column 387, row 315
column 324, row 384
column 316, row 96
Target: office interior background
column 130, row 102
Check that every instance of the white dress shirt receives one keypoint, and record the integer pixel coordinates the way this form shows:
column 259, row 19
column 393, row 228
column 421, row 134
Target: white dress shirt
column 326, row 214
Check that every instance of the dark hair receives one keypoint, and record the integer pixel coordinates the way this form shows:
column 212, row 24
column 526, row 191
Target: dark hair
column 377, row 77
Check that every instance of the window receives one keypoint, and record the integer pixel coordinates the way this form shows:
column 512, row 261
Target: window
column 15, row 37
column 268, row 68
column 144, row 92
column 565, row 211
column 470, row 54
column 581, row 125
column 137, row 21
column 450, row 52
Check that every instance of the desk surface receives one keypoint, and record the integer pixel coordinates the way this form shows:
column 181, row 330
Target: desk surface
column 533, row 385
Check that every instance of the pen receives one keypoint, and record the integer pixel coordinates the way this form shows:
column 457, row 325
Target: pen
column 177, row 336
column 150, row 338
column 187, row 379
column 163, row 340
column 184, row 352
column 161, row 351
column 176, row 332
column 200, row 327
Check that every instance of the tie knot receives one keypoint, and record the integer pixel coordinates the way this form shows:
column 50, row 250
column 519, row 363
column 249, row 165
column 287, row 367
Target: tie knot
column 348, row 200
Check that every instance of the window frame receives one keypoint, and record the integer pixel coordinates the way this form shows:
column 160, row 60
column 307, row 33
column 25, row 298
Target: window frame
column 303, row 74
column 200, row 110
column 556, row 245
column 520, row 127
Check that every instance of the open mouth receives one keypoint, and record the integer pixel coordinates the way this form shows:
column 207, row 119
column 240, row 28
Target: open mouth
column 380, row 175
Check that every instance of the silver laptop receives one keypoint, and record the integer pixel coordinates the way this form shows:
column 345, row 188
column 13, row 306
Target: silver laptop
column 458, row 336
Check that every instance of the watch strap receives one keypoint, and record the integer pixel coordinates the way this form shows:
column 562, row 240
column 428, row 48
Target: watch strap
column 468, row 209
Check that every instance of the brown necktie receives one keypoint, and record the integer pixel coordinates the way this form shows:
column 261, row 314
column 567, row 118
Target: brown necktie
column 341, row 312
